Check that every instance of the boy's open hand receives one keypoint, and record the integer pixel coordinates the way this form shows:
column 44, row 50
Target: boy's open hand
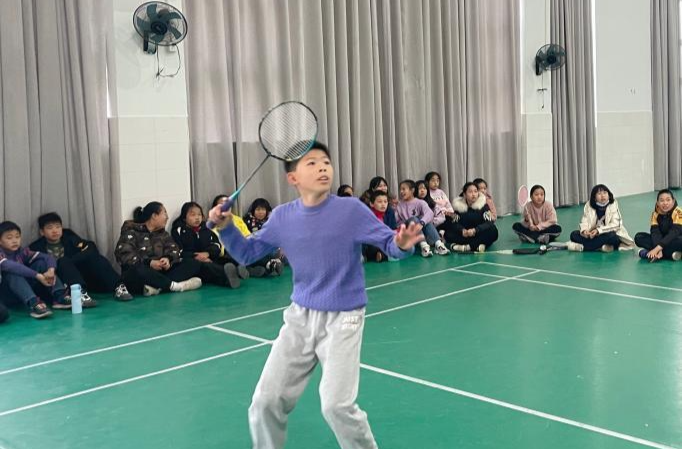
column 43, row 280
column 408, row 236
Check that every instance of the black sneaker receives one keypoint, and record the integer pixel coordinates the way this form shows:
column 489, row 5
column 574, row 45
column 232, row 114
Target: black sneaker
column 257, row 271
column 39, row 310
column 231, row 275
column 274, row 267
column 87, row 301
column 61, row 301
column 121, row 293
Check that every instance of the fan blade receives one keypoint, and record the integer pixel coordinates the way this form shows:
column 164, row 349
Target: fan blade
column 143, row 25
column 175, row 32
column 151, row 11
column 156, row 38
column 171, row 16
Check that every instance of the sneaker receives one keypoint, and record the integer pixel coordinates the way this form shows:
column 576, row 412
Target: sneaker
column 274, row 267
column 185, row 286
column 642, row 253
column 572, row 246
column 232, row 276
column 481, row 248
column 460, row 248
column 426, row 250
column 607, row 248
column 257, row 271
column 39, row 310
column 544, row 239
column 121, row 293
column 524, row 238
column 61, row 301
column 441, row 249
column 148, row 290
column 243, row 272
column 677, row 255
column 87, row 301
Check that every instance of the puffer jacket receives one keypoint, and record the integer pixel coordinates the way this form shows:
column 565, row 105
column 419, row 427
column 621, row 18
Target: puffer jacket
column 613, row 223
column 666, row 227
column 138, row 245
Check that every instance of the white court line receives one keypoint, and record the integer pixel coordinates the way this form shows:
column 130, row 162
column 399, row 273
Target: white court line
column 203, row 326
column 456, row 292
column 127, row 381
column 584, row 276
column 572, row 287
column 517, row 408
column 261, row 342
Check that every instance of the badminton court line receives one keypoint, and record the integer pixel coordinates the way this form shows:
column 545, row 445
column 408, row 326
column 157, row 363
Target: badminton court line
column 584, row 276
column 571, row 287
column 203, row 326
column 261, row 342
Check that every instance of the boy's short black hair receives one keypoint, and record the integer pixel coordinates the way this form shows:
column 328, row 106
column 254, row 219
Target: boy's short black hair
column 290, row 166
column 7, row 226
column 49, row 218
column 376, row 194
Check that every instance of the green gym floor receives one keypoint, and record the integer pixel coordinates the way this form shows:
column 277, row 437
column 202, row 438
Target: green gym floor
column 564, row 350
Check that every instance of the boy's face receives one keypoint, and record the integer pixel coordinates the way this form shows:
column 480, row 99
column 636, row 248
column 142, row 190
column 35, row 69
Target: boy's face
column 194, row 217
column 314, row 173
column 260, row 213
column 10, row 240
column 406, row 193
column 434, row 182
column 52, row 232
column 380, row 203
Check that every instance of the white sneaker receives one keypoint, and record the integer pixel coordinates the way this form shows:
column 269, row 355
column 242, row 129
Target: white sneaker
column 481, row 248
column 148, row 290
column 441, row 250
column 607, row 248
column 185, row 286
column 677, row 255
column 426, row 250
column 460, row 248
column 572, row 246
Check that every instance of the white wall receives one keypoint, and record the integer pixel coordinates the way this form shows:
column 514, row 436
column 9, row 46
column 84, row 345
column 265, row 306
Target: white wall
column 537, row 117
column 623, row 87
column 148, row 123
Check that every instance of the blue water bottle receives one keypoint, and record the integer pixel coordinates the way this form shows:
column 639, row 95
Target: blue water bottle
column 76, row 303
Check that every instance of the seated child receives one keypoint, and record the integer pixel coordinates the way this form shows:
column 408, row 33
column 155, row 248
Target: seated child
column 379, row 205
column 601, row 227
column 197, row 242
column 665, row 239
column 482, row 187
column 28, row 276
column 473, row 226
column 539, row 223
column 78, row 261
column 412, row 209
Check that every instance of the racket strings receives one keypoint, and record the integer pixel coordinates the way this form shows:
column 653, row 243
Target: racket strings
column 288, row 131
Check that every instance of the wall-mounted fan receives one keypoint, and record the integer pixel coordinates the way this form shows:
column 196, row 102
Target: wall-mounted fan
column 159, row 24
column 549, row 57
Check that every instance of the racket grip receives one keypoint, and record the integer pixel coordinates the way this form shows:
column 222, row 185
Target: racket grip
column 227, row 205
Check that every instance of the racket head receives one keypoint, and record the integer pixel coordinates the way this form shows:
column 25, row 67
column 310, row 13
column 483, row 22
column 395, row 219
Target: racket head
column 288, row 131
column 522, row 196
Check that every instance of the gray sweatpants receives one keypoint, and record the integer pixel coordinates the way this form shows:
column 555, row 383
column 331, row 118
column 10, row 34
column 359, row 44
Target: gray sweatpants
column 309, row 336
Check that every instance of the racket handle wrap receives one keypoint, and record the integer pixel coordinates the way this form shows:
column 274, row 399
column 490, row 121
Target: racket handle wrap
column 224, row 208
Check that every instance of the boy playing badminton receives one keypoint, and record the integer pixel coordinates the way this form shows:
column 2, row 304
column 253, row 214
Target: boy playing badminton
column 322, row 236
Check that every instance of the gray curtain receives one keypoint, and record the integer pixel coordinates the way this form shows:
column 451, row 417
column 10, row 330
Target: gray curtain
column 573, row 100
column 665, row 88
column 400, row 88
column 54, row 143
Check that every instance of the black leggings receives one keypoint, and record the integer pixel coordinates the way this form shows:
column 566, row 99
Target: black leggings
column 595, row 244
column 643, row 240
column 553, row 231
column 137, row 276
column 94, row 272
column 487, row 238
